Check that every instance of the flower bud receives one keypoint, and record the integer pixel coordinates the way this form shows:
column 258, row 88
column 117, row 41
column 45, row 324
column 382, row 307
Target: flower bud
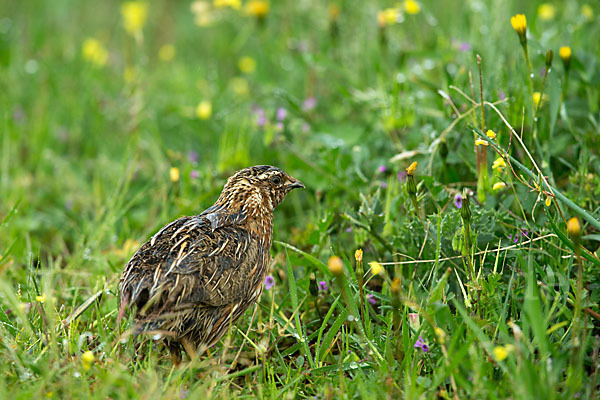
column 335, row 265
column 465, row 210
column 574, row 229
column 549, row 58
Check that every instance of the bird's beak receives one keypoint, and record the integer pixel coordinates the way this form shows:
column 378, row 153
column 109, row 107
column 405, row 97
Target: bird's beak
column 295, row 184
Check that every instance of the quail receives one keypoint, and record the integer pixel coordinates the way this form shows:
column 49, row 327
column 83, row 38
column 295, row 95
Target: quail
column 198, row 274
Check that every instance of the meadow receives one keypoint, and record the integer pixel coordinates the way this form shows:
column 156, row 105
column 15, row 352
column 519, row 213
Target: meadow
column 446, row 244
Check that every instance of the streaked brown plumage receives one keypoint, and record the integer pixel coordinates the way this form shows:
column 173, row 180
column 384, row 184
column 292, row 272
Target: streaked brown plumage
column 198, row 274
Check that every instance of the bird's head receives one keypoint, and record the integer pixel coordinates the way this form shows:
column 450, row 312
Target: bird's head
column 258, row 189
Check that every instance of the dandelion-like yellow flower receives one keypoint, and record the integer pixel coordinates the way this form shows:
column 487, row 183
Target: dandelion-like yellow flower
column 441, row 335
column 204, row 110
column 389, row 16
column 587, row 11
column 500, row 353
column 130, row 74
column 257, row 8
column 411, row 168
column 41, row 298
column 376, row 268
column 411, row 7
column 358, row 255
column 202, row 13
column 574, row 227
column 499, row 164
column 565, row 53
column 334, row 11
column 335, row 265
column 481, row 142
column 87, row 359
column 519, row 24
column 247, row 65
column 546, row 11
column 134, row 16
column 174, row 174
column 498, row 186
column 166, row 52
column 235, row 4
column 537, row 97
column 94, row 52
column 239, row 86
column 491, row 134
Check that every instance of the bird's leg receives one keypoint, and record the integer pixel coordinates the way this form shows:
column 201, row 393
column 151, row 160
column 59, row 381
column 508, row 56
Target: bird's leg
column 175, row 351
column 190, row 349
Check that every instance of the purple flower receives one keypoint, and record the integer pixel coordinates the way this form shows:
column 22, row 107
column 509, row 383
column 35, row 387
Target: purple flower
column 464, row 46
column 349, row 229
column 309, row 104
column 281, row 113
column 515, row 239
column 269, row 282
column 420, row 344
column 383, row 185
column 194, row 174
column 322, row 285
column 382, row 169
column 279, row 126
column 261, row 116
column 193, row 156
column 402, row 176
column 501, row 95
column 371, row 299
column 458, row 201
column 525, row 232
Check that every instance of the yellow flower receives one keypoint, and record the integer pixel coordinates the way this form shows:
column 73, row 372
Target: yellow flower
column 335, row 265
column 87, row 359
column 587, row 12
column 333, row 11
column 235, row 4
column 565, row 53
column 358, row 255
column 538, row 98
column 411, row 7
column 204, row 110
column 202, row 13
column 94, row 52
column 546, row 11
column 498, row 186
column 174, row 174
column 441, row 335
column 41, row 298
column 491, row 134
column 498, row 164
column 548, row 201
column 257, row 8
column 519, row 24
column 389, row 16
column 134, row 16
column 411, row 168
column 500, row 352
column 239, row 86
column 129, row 74
column 481, row 142
column 376, row 268
column 166, row 52
column 247, row 65
column 574, row 227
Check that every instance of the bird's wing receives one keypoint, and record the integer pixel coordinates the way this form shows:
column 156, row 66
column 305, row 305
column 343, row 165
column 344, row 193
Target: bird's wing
column 197, row 260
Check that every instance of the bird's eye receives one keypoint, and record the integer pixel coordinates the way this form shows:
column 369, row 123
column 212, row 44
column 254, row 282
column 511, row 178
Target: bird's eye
column 276, row 180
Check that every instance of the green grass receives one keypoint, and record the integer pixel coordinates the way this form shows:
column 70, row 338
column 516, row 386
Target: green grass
column 86, row 152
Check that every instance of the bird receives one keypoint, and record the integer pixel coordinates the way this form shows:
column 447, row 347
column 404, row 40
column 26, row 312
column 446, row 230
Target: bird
column 198, row 274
